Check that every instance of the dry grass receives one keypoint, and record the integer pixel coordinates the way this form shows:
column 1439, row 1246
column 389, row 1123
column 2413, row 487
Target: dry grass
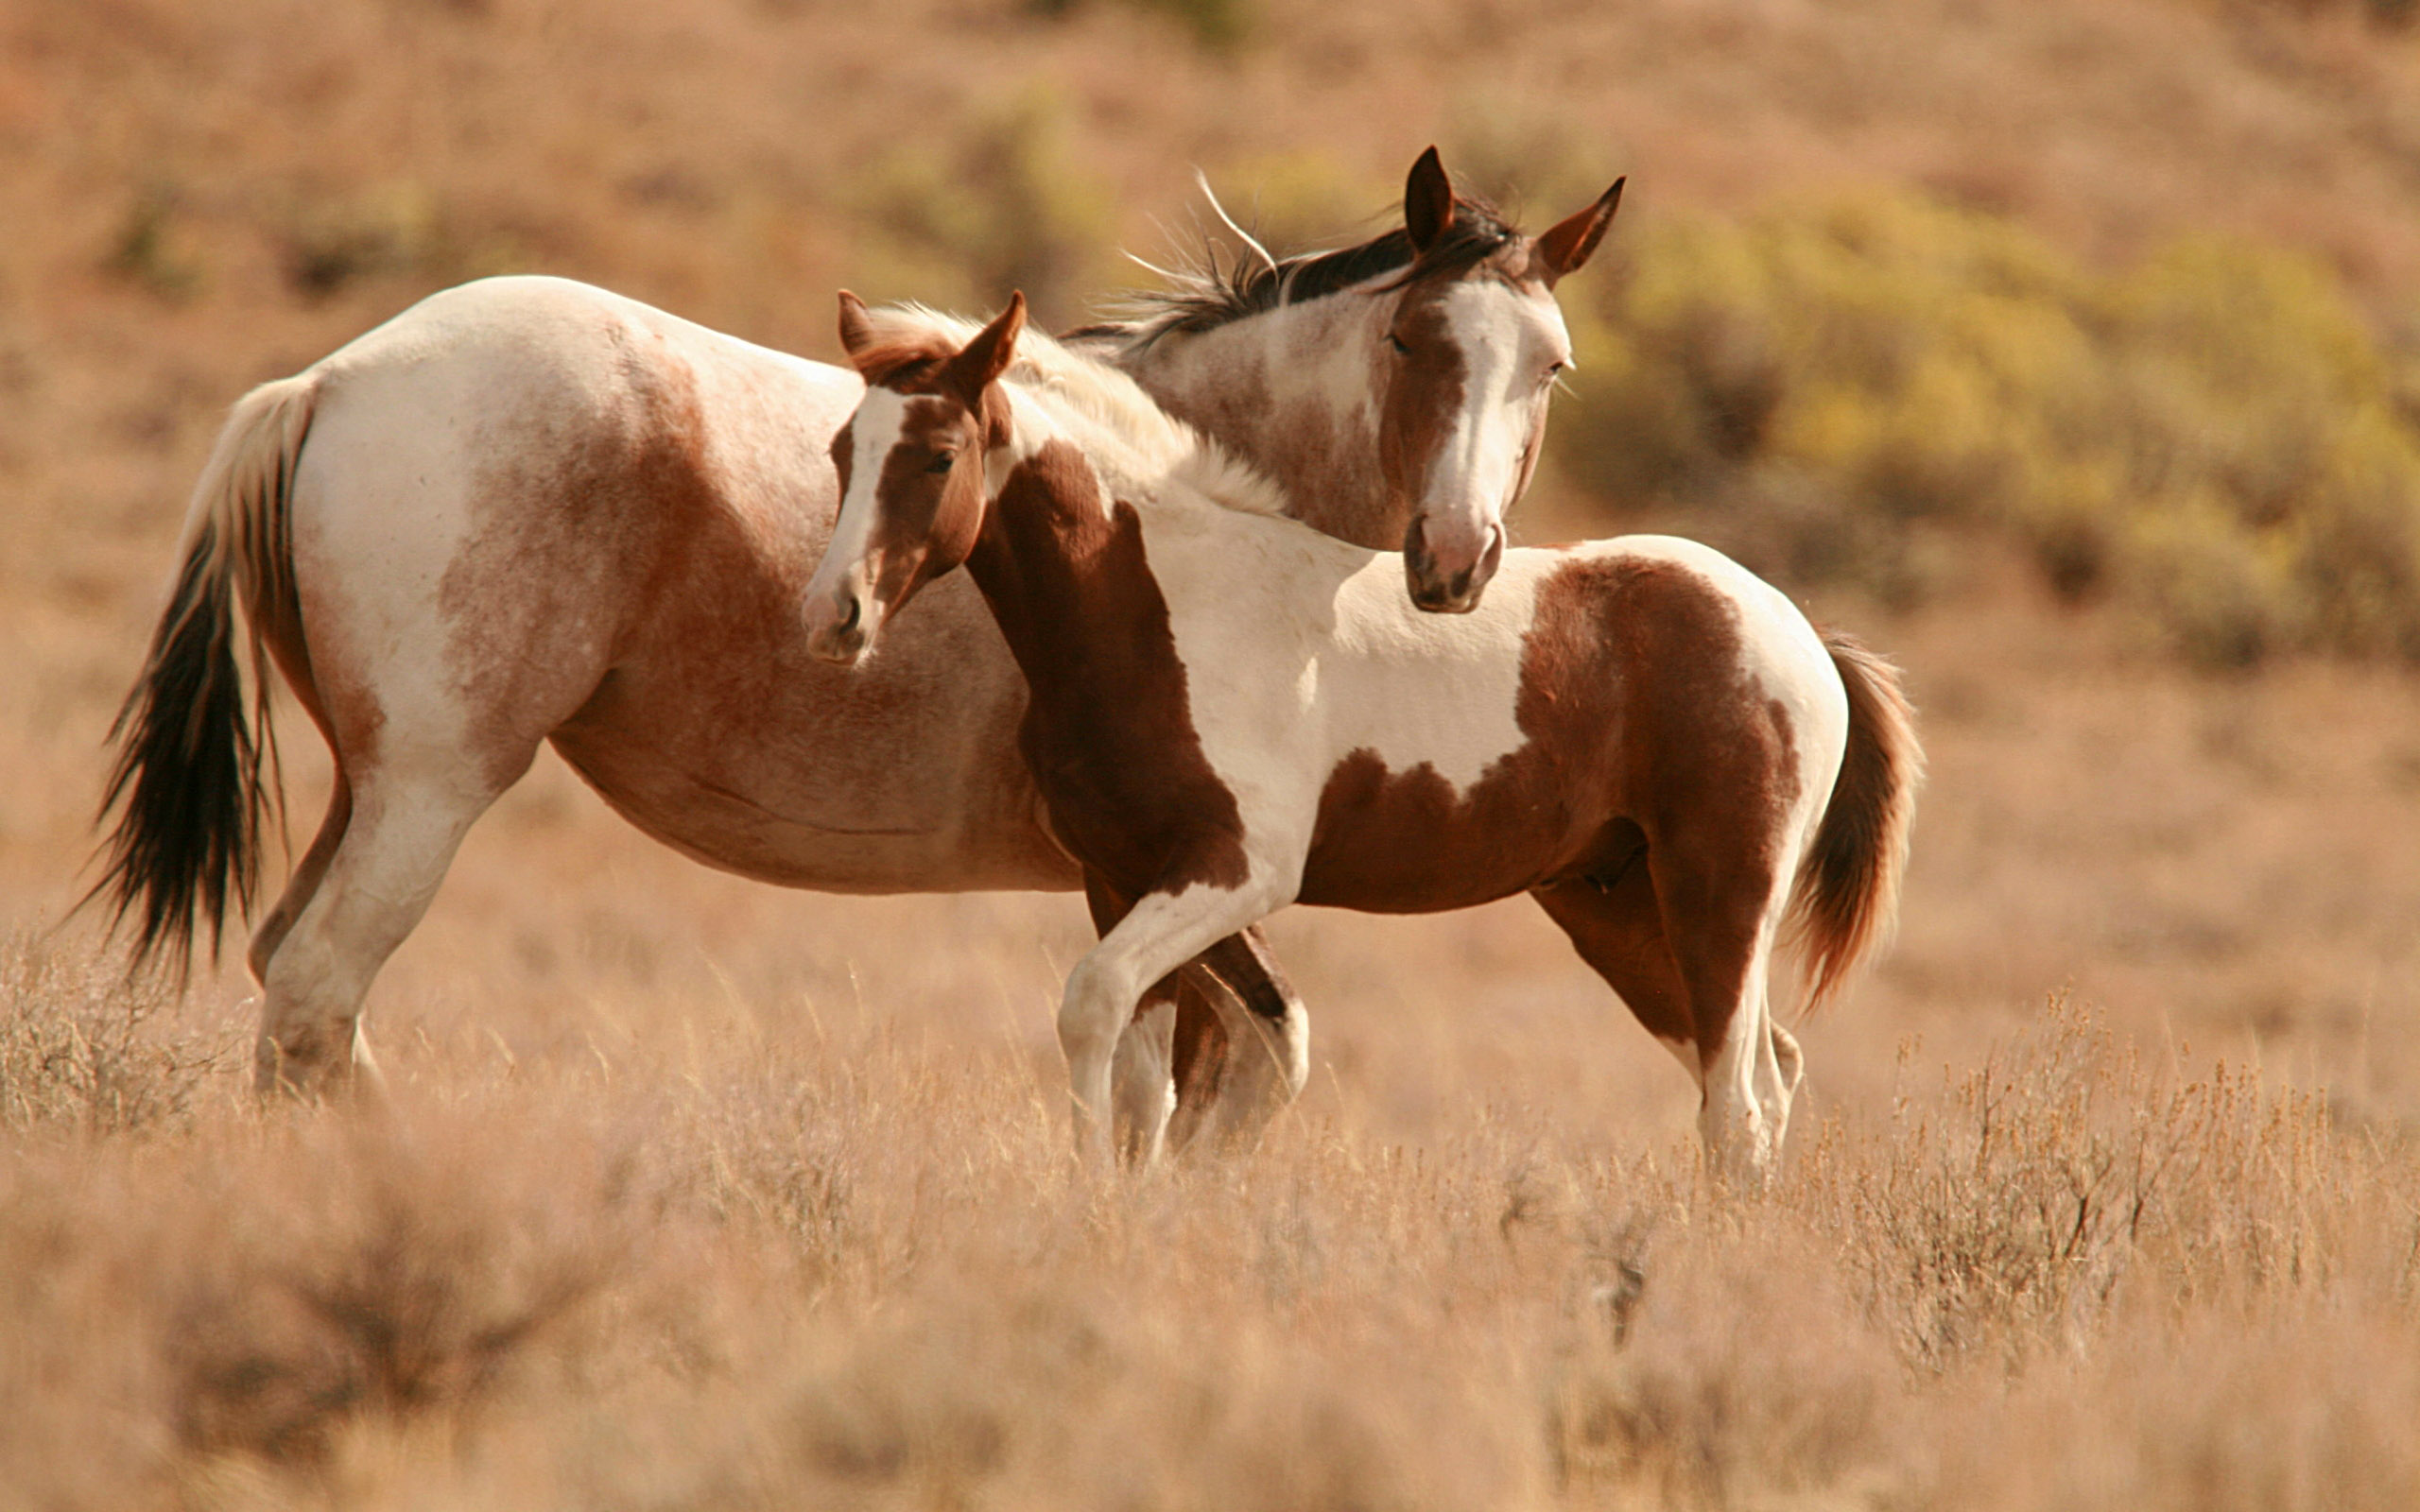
column 703, row 1195
column 849, row 1269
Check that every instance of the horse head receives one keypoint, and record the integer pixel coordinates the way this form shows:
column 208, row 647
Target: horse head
column 911, row 464
column 1474, row 342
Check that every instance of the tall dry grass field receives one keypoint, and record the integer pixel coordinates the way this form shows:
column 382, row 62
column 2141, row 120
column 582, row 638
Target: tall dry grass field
column 2103, row 1190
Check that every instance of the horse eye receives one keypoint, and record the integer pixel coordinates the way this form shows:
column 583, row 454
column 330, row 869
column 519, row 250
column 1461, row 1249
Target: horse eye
column 1397, row 342
column 941, row 462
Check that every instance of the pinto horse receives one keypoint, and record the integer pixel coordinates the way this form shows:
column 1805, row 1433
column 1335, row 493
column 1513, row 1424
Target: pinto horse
column 527, row 510
column 1230, row 713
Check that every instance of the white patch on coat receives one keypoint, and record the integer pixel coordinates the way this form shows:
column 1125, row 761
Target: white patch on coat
column 1509, row 341
column 872, row 432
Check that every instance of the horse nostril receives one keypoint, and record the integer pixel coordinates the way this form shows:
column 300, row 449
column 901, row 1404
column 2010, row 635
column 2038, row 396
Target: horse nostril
column 840, row 636
column 1494, row 556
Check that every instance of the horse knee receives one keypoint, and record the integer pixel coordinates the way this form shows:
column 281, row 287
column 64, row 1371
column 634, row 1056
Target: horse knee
column 1094, row 1008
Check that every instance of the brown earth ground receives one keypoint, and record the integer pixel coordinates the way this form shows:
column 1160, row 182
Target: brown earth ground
column 704, row 1194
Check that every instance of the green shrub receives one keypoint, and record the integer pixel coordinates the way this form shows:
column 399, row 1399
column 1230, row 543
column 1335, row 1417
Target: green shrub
column 2214, row 437
column 1003, row 207
column 1216, row 25
column 148, row 250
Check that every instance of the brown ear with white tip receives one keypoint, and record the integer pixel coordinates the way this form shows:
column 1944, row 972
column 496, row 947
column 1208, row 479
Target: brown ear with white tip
column 1563, row 248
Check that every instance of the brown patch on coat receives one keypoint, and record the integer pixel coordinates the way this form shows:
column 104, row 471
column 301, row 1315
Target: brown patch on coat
column 1108, row 730
column 1424, row 396
column 1650, row 761
column 538, row 600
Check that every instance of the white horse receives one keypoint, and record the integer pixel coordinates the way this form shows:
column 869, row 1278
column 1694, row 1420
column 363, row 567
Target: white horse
column 527, row 510
column 1230, row 713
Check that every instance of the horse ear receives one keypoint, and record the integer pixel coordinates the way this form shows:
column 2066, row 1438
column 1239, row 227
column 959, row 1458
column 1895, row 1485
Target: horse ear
column 987, row 356
column 1563, row 249
column 1427, row 201
column 856, row 329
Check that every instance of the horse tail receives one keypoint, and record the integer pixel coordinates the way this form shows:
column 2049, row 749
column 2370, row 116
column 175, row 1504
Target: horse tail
column 1846, row 896
column 195, row 770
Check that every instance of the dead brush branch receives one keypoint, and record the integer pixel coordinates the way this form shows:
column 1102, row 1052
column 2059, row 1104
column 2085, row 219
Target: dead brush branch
column 371, row 1275
column 84, row 1050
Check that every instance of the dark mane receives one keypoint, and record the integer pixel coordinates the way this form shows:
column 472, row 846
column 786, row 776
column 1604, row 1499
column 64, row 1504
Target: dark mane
column 1210, row 295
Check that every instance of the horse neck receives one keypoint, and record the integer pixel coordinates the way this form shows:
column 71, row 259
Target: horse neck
column 1063, row 567
column 1292, row 391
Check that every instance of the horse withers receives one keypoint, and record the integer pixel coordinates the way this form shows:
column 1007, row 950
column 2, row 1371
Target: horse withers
column 1230, row 713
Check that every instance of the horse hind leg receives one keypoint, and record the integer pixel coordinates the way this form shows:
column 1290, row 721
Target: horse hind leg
column 368, row 880
column 304, row 884
column 1722, row 921
column 1617, row 928
column 1688, row 948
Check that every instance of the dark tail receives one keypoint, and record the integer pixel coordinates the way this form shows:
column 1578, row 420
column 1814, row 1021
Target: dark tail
column 195, row 768
column 1846, row 897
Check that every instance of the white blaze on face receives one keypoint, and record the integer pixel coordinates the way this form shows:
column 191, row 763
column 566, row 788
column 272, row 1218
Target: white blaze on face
column 873, row 432
column 1512, row 341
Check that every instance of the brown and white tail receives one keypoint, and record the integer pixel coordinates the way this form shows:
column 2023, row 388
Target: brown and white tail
column 189, row 783
column 1846, row 897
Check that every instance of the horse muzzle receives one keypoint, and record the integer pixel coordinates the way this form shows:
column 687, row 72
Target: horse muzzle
column 1446, row 580
column 836, row 628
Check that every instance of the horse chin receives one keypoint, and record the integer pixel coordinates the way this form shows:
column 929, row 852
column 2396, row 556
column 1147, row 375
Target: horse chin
column 847, row 652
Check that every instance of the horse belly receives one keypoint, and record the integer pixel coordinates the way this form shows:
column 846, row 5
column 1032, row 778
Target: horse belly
column 732, row 744
column 1411, row 842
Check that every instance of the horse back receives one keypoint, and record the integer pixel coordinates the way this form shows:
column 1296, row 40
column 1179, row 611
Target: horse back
column 1650, row 692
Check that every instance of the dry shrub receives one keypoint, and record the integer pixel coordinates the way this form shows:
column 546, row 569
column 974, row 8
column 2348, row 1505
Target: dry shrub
column 384, row 1274
column 2308, row 1405
column 767, row 1266
column 1009, row 1392
column 1747, row 1378
column 1217, row 27
column 255, row 1296
column 2215, row 436
column 85, row 1050
column 2014, row 1212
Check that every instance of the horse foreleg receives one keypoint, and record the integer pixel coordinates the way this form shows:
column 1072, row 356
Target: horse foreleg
column 1143, row 1076
column 1159, row 933
column 1246, row 1053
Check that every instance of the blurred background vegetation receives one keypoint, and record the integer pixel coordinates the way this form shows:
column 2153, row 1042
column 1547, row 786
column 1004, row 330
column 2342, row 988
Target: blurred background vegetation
column 2123, row 294
column 1857, row 388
